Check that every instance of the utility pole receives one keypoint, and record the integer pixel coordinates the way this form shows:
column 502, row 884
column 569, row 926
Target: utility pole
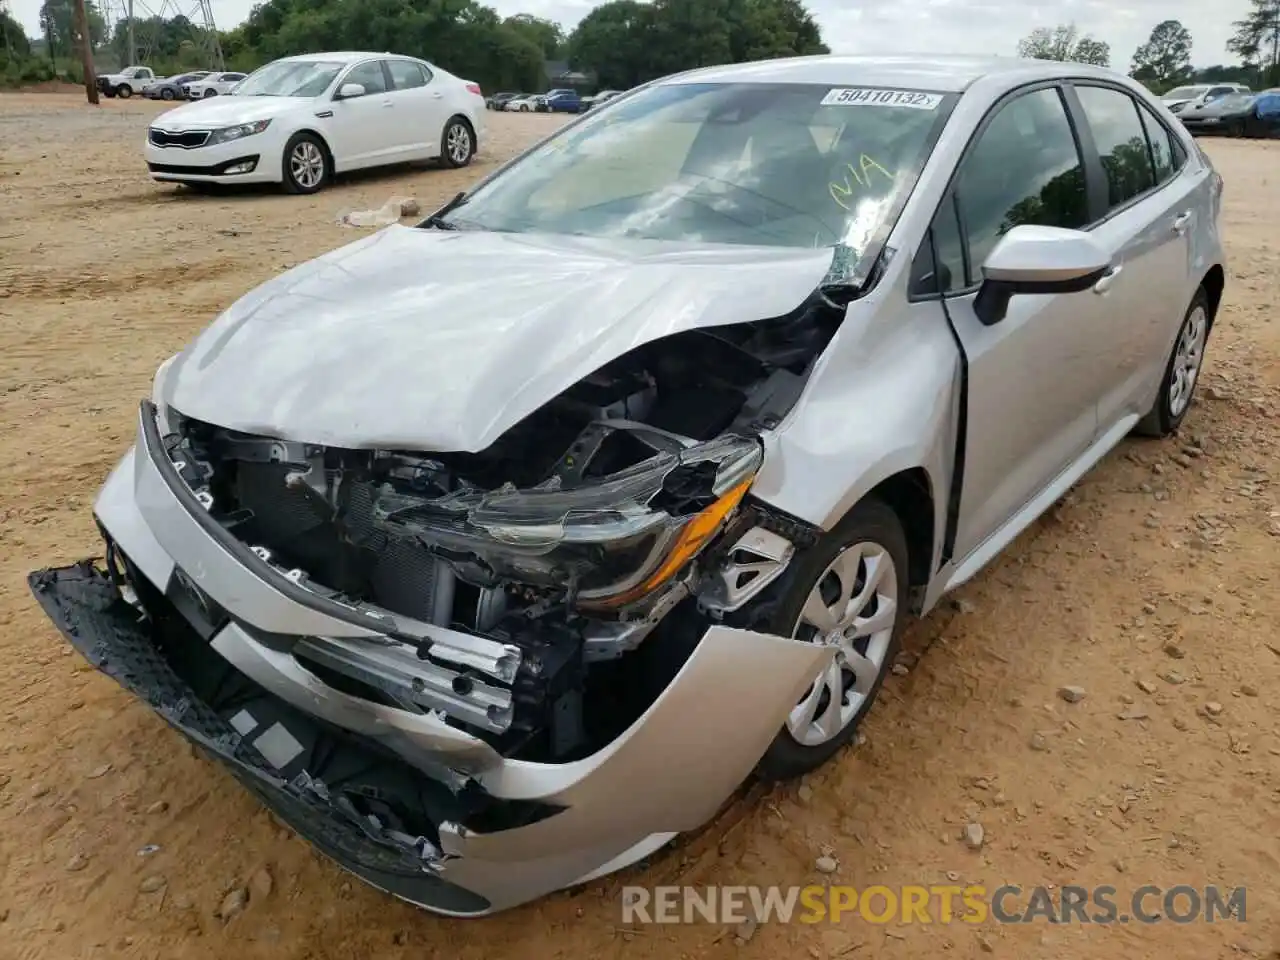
column 86, row 52
column 133, row 46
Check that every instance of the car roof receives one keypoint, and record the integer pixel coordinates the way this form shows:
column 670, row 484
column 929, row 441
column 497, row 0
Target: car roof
column 345, row 56
column 947, row 74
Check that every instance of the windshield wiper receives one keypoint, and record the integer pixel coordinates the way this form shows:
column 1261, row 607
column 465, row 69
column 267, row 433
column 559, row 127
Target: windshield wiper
column 438, row 220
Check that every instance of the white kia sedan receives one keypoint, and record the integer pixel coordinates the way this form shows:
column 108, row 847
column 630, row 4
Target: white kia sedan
column 300, row 120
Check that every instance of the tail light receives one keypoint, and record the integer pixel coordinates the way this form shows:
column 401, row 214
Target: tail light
column 474, row 88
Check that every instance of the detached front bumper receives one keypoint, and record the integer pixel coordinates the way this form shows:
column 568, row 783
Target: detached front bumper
column 487, row 832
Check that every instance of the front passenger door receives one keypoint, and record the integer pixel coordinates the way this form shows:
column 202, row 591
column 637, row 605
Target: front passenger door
column 1033, row 377
column 363, row 132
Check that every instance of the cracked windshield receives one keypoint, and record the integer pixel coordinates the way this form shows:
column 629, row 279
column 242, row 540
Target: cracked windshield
column 794, row 165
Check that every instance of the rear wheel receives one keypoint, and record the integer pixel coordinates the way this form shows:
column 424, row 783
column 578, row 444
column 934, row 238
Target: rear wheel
column 306, row 164
column 457, row 143
column 847, row 592
column 1182, row 372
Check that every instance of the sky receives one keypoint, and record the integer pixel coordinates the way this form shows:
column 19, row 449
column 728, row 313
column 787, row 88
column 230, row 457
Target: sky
column 883, row 26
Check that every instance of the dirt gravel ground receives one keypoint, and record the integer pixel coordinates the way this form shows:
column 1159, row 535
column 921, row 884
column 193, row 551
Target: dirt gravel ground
column 1152, row 586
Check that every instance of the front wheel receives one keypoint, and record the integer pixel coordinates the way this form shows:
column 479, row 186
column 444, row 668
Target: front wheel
column 166, row 94
column 124, row 91
column 1236, row 128
column 1182, row 372
column 210, row 93
column 306, row 165
column 458, row 143
column 847, row 592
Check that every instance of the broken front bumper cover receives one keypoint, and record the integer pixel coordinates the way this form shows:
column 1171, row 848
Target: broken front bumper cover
column 597, row 814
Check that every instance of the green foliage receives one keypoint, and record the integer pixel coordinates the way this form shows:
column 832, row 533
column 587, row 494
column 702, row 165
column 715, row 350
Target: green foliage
column 1064, row 42
column 625, row 42
column 1224, row 73
column 1164, row 61
column 1257, row 40
column 57, row 23
column 462, row 36
column 546, row 35
column 14, row 45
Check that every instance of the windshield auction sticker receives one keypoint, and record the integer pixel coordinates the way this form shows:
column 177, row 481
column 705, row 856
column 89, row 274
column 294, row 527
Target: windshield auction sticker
column 865, row 97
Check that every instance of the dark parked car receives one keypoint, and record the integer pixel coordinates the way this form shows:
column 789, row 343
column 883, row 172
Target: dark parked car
column 499, row 100
column 170, row 88
column 560, row 101
column 1237, row 115
column 596, row 99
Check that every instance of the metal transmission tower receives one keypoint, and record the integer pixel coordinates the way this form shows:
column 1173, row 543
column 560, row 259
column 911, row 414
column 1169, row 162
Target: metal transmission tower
column 143, row 20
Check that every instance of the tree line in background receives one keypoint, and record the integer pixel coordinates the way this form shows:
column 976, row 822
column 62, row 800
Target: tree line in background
column 1164, row 60
column 619, row 43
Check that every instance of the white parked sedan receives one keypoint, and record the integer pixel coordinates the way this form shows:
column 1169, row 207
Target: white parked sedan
column 300, row 120
column 211, row 85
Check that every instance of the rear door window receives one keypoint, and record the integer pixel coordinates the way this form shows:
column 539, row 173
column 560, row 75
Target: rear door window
column 406, row 75
column 1121, row 140
column 1164, row 156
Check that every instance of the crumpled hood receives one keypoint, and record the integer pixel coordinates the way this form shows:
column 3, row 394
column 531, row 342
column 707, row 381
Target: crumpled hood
column 418, row 339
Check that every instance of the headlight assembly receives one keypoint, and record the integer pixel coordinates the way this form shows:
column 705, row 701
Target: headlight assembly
column 238, row 132
column 611, row 541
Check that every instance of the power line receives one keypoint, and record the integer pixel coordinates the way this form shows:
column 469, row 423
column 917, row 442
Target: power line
column 144, row 20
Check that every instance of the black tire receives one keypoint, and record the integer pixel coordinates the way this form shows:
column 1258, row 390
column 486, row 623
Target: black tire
column 291, row 183
column 210, row 93
column 109, row 93
column 457, row 143
column 871, row 521
column 1161, row 420
column 124, row 91
column 166, row 94
column 1235, row 128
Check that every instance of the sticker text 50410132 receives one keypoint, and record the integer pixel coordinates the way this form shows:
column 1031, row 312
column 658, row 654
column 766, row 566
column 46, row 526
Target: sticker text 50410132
column 869, row 97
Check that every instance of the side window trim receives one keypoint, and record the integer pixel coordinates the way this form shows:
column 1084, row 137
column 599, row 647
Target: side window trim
column 962, row 229
column 1095, row 174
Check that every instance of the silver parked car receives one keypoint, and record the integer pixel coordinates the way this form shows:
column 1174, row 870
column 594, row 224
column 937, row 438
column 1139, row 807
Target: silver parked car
column 492, row 588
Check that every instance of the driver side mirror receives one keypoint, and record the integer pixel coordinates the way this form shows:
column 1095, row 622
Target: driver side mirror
column 350, row 90
column 1038, row 260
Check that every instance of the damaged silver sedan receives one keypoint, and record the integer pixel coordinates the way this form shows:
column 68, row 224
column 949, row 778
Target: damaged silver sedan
column 494, row 552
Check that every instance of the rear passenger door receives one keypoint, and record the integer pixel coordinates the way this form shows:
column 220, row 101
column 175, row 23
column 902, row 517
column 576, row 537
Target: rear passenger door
column 1147, row 222
column 419, row 110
